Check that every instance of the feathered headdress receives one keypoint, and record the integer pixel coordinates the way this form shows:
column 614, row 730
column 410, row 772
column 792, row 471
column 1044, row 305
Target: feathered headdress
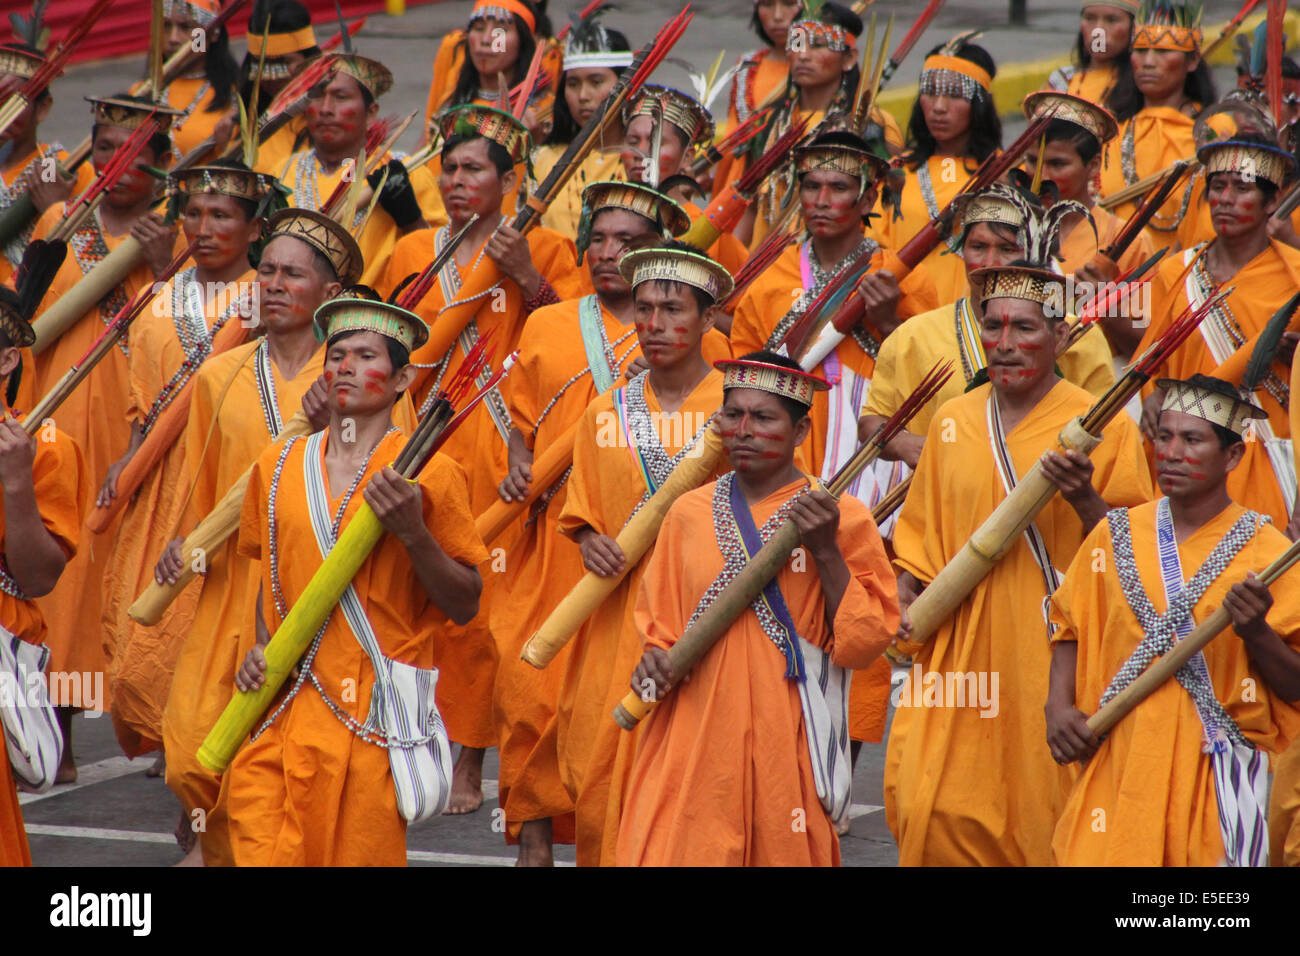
column 31, row 30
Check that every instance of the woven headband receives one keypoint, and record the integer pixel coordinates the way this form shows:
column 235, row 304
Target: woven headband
column 201, row 12
column 670, row 265
column 346, row 314
column 784, row 382
column 806, row 34
column 605, row 59
column 1164, row 36
column 1209, row 406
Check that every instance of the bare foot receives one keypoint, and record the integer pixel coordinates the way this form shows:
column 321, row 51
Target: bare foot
column 844, row 826
column 67, row 772
column 186, row 838
column 193, row 858
column 467, row 782
column 159, row 766
column 535, row 844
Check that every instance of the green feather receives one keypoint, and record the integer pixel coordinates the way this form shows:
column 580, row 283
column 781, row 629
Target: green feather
column 1261, row 359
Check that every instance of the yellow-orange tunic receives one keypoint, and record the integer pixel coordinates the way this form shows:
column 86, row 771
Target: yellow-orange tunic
column 722, row 767
column 974, row 784
column 12, row 254
column 1146, row 798
column 1149, row 142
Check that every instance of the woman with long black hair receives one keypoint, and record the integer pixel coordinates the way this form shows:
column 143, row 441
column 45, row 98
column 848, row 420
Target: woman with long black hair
column 1157, row 109
column 764, row 71
column 206, row 97
column 500, row 39
column 594, row 56
column 1101, row 51
column 290, row 42
column 953, row 128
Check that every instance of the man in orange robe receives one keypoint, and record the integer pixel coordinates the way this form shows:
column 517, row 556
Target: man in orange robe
column 338, row 113
column 314, row 786
column 1244, row 176
column 44, row 484
column 627, row 444
column 27, row 169
column 569, row 353
column 992, row 230
column 1161, row 790
column 481, row 149
column 967, row 780
column 94, row 413
column 242, row 398
column 724, row 774
column 221, row 212
column 839, row 179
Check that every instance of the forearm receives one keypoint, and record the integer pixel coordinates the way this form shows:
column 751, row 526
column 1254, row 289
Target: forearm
column 835, row 576
column 517, row 450
column 1276, row 662
column 32, row 555
column 453, row 587
column 1090, row 508
column 1061, row 676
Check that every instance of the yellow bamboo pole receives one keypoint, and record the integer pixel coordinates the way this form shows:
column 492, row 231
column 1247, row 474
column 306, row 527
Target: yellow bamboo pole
column 64, row 312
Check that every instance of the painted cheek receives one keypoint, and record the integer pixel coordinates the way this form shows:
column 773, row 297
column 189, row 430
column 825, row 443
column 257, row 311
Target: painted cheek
column 1030, row 348
column 329, row 376
column 1198, row 475
column 374, row 375
column 374, row 388
column 1192, row 461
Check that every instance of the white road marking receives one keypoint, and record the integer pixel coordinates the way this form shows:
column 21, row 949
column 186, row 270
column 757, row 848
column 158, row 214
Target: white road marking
column 141, row 836
column 862, row 809
column 91, row 774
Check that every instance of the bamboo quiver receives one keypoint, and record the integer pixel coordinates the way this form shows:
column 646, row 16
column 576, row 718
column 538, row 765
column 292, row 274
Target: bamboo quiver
column 64, row 312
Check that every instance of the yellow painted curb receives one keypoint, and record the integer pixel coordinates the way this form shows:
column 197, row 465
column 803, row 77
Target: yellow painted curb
column 1015, row 81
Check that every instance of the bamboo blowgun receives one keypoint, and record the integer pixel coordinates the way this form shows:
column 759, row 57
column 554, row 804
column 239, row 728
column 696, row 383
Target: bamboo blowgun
column 1173, row 660
column 312, row 609
column 737, row 596
column 1000, row 531
column 223, row 520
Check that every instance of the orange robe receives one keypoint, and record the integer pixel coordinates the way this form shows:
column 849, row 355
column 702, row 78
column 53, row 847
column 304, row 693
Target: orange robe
column 543, row 564
column 969, row 781
column 234, row 429
column 1160, row 136
column 284, row 142
column 141, row 659
column 467, row 658
column 92, row 415
column 759, row 75
column 312, row 187
column 1080, row 246
column 1261, row 286
column 1093, row 84
column 192, row 96
column 761, row 308
column 947, row 175
column 1150, row 785
column 62, row 486
column 915, row 347
column 564, row 214
column 308, row 791
column 450, row 59
column 605, row 485
column 12, row 254
column 723, row 762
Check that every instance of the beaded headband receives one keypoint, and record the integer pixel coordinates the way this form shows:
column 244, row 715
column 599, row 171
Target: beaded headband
column 373, row 75
column 19, row 63
column 282, row 44
column 125, row 114
column 17, row 330
column 237, row 183
column 201, row 12
column 679, row 109
column 1209, row 406
column 785, row 382
column 953, row 76
column 671, row 265
column 669, row 218
column 491, row 124
column 1250, row 160
column 1073, row 109
column 347, row 314
column 324, row 235
column 606, row 59
column 503, row 10
column 1020, row 282
column 806, row 34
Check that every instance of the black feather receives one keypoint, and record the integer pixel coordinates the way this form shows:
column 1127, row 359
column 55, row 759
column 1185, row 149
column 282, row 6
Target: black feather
column 1261, row 359
column 40, row 264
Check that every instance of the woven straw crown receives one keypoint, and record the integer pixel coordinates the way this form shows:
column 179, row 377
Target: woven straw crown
column 238, row 183
column 371, row 74
column 124, row 114
column 347, row 314
column 1250, row 160
column 1207, row 405
column 672, row 265
column 777, row 379
column 19, row 63
column 1073, row 109
column 325, row 236
column 490, row 123
column 634, row 197
column 678, row 108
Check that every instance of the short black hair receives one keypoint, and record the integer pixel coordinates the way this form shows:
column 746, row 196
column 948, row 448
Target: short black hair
column 159, row 143
column 1227, row 437
column 496, row 152
column 1063, row 131
column 399, row 356
column 796, row 410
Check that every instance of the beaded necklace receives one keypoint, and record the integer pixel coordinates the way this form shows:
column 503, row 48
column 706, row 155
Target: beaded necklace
column 614, row 360
column 305, row 191
column 179, row 121
column 1221, row 315
column 648, row 448
column 1128, row 166
column 305, row 672
column 742, row 90
column 89, row 249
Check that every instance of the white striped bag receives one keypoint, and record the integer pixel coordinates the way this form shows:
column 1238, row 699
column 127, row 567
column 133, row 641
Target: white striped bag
column 32, row 735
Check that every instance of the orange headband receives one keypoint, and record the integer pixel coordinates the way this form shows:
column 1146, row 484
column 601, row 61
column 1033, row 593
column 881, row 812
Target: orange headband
column 1162, row 36
column 512, row 6
column 955, row 64
column 282, row 44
